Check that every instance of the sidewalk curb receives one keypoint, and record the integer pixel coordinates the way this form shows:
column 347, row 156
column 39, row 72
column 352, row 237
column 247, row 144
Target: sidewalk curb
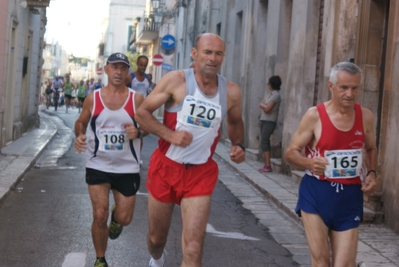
column 21, row 155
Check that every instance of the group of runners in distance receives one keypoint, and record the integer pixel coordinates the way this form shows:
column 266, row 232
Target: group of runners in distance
column 58, row 92
column 182, row 172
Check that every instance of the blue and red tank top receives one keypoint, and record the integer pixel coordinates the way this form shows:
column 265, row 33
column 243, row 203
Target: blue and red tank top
column 108, row 148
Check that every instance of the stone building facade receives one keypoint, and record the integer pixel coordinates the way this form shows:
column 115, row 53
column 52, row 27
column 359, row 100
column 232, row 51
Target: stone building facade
column 22, row 27
column 301, row 41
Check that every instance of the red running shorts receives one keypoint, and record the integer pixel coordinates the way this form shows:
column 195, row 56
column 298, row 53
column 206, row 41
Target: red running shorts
column 169, row 181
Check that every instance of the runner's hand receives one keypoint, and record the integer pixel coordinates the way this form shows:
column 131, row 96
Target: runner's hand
column 369, row 184
column 237, row 154
column 318, row 166
column 182, row 138
column 131, row 131
column 80, row 143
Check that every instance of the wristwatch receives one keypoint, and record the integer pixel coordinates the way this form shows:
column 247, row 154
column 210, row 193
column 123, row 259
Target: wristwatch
column 139, row 133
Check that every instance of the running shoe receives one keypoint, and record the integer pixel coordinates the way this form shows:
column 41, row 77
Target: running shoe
column 114, row 228
column 163, row 257
column 101, row 263
column 265, row 169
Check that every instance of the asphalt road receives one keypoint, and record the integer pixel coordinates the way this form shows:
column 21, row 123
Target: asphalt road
column 46, row 221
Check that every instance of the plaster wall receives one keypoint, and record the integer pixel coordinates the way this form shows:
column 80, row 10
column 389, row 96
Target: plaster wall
column 301, row 65
column 389, row 145
column 21, row 37
column 121, row 15
column 3, row 41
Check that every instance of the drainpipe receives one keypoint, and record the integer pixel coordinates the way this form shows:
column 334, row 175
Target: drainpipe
column 195, row 21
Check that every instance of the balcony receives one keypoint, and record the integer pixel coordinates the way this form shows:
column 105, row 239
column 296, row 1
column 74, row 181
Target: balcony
column 147, row 30
column 38, row 3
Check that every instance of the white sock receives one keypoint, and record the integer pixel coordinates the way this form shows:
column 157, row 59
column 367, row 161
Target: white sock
column 159, row 262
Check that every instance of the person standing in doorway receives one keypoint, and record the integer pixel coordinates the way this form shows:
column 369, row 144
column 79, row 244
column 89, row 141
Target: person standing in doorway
column 113, row 153
column 268, row 119
column 181, row 170
column 338, row 138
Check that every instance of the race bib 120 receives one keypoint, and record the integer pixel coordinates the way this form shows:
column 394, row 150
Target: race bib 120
column 200, row 113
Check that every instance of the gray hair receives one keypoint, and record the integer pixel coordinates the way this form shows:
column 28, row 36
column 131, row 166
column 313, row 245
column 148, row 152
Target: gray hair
column 348, row 67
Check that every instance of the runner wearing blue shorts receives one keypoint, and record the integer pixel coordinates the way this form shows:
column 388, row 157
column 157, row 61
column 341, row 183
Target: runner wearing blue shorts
column 340, row 161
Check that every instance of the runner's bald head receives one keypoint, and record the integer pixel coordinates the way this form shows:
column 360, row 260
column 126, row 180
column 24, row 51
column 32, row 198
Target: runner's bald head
column 204, row 35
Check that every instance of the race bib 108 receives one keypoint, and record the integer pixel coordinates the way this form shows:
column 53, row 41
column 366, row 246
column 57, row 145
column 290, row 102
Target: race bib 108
column 112, row 139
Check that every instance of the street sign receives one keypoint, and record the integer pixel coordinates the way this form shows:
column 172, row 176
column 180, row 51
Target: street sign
column 167, row 67
column 168, row 42
column 99, row 71
column 157, row 59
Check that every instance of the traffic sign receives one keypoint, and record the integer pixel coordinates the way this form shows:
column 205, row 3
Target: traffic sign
column 99, row 71
column 168, row 42
column 157, row 59
column 167, row 67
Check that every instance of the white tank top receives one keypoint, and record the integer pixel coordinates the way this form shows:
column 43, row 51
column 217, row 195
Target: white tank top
column 199, row 114
column 140, row 87
column 108, row 148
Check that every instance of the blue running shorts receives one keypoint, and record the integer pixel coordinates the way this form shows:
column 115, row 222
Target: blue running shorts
column 340, row 206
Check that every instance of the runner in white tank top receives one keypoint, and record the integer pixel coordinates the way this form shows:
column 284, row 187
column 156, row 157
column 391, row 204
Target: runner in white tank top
column 113, row 152
column 182, row 171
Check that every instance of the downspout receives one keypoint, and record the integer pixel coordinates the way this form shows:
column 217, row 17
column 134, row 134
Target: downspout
column 195, row 22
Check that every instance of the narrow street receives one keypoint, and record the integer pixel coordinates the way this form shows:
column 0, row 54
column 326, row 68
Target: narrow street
column 46, row 221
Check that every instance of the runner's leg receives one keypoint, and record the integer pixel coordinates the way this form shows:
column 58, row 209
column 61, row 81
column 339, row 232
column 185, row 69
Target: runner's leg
column 317, row 237
column 344, row 247
column 159, row 218
column 99, row 195
column 195, row 214
column 124, row 208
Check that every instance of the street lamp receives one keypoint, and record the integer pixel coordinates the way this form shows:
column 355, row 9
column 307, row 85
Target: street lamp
column 155, row 4
column 158, row 17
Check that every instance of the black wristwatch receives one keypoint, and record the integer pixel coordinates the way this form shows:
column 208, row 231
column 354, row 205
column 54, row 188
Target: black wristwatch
column 240, row 145
column 139, row 134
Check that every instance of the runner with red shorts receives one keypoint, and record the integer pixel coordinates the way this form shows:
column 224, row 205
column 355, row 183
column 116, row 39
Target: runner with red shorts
column 181, row 170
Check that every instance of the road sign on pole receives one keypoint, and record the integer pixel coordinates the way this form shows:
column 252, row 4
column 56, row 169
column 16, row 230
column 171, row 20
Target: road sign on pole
column 99, row 71
column 168, row 42
column 157, row 59
column 167, row 67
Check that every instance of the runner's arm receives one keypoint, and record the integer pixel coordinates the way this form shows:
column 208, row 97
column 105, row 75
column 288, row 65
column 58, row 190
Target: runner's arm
column 370, row 183
column 131, row 130
column 171, row 85
column 303, row 136
column 235, row 124
column 81, row 124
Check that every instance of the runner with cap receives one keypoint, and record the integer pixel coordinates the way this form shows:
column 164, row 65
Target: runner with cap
column 112, row 152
